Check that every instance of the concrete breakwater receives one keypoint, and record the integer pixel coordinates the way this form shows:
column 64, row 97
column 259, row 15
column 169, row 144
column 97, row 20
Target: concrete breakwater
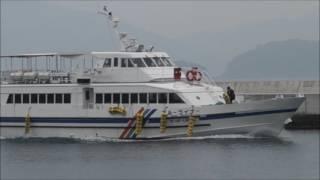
column 307, row 116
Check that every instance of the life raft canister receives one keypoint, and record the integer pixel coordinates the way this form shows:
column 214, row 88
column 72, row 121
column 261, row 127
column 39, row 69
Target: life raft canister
column 194, row 74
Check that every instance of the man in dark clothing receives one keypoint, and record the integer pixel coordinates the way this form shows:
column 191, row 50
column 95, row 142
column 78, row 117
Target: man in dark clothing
column 231, row 94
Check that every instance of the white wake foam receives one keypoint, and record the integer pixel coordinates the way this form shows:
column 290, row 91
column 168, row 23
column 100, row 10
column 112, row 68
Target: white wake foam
column 100, row 139
column 229, row 136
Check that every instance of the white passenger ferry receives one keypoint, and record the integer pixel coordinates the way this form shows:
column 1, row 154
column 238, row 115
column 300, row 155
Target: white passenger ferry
column 131, row 94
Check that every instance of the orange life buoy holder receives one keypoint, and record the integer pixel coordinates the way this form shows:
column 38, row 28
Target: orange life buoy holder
column 194, row 75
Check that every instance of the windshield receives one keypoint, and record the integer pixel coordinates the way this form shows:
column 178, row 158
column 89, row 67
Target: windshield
column 126, row 62
column 149, row 62
column 158, row 61
column 138, row 62
column 166, row 61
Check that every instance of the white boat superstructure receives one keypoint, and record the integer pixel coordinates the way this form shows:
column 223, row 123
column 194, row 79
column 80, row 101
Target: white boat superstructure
column 130, row 94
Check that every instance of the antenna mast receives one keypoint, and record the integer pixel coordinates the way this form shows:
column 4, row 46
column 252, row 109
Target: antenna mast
column 127, row 44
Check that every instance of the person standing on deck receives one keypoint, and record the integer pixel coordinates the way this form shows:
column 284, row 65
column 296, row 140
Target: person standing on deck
column 231, row 94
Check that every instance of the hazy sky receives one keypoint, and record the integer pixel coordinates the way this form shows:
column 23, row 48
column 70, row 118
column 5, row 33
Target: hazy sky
column 210, row 33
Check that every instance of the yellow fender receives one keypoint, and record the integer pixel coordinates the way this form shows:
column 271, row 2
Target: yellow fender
column 139, row 120
column 27, row 121
column 191, row 122
column 163, row 122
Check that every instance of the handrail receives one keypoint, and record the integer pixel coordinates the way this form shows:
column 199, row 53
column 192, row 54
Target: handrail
column 206, row 78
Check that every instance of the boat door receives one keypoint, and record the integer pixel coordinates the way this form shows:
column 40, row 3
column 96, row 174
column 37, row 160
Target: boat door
column 88, row 98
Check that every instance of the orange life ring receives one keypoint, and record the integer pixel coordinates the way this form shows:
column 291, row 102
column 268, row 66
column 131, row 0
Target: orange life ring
column 189, row 76
column 199, row 76
column 193, row 75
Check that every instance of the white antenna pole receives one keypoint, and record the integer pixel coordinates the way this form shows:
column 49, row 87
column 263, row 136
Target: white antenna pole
column 114, row 23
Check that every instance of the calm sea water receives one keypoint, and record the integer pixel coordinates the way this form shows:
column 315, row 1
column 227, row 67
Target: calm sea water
column 294, row 155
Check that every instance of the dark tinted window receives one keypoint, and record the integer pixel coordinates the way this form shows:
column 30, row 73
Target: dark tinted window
column 83, row 81
column 107, row 63
column 134, row 98
column 59, row 98
column 115, row 62
column 158, row 61
column 152, row 97
column 50, row 99
column 143, row 98
column 25, row 98
column 124, row 62
column 107, row 98
column 162, row 98
column 42, row 98
column 138, row 62
column 34, row 98
column 174, row 98
column 67, row 98
column 166, row 61
column 10, row 99
column 125, row 98
column 87, row 94
column 116, row 98
column 130, row 64
column 99, row 98
column 17, row 98
column 149, row 62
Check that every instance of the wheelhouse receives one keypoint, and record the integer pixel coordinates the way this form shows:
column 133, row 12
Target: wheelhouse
column 131, row 60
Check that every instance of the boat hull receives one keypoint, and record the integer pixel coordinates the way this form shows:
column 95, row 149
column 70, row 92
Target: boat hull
column 254, row 118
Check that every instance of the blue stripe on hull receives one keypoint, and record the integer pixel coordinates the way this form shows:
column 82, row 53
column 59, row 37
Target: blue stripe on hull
column 65, row 120
column 125, row 120
column 242, row 114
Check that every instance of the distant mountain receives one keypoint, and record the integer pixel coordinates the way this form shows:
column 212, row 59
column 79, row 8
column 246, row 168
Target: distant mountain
column 290, row 59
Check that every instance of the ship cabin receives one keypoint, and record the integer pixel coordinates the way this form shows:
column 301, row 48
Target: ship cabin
column 132, row 67
column 109, row 78
column 94, row 67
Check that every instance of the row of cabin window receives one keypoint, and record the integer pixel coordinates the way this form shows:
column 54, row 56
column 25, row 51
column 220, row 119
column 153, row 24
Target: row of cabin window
column 138, row 62
column 39, row 98
column 142, row 98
